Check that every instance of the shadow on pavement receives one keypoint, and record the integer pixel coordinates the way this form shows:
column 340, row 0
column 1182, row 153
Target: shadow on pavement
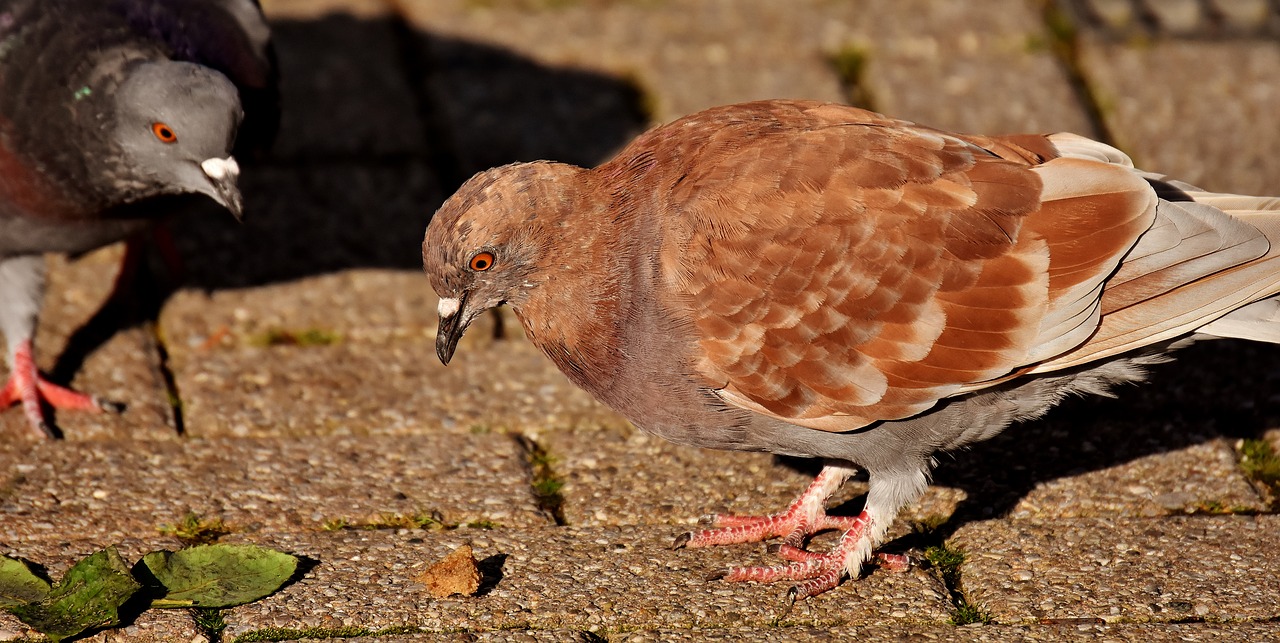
column 1213, row 389
column 380, row 123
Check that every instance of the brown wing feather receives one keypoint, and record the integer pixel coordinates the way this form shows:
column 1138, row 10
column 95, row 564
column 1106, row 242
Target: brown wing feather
column 841, row 268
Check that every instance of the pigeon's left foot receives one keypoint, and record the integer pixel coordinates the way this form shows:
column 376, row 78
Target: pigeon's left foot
column 816, row 573
column 27, row 387
column 805, row 517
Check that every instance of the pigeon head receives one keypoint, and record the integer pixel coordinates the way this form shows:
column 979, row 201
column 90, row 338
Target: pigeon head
column 488, row 244
column 175, row 124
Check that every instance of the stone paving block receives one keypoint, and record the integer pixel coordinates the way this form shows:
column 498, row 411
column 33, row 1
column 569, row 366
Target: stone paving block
column 624, row 476
column 1221, row 568
column 976, row 67
column 1192, row 109
column 117, row 363
column 706, row 56
column 358, row 305
column 558, row 578
column 1135, row 633
column 494, row 106
column 392, row 388
column 108, row 491
column 924, row 60
column 175, row 625
column 313, row 9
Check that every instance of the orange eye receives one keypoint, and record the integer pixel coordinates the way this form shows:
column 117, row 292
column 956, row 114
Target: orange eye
column 164, row 133
column 482, row 261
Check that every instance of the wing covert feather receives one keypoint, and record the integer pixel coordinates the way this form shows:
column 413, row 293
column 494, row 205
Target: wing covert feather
column 845, row 273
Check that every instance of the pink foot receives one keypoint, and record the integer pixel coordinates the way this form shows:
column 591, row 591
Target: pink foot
column 815, row 573
column 25, row 386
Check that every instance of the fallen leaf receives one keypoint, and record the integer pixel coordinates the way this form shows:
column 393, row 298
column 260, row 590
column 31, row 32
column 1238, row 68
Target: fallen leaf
column 456, row 574
column 18, row 585
column 89, row 596
column 218, row 575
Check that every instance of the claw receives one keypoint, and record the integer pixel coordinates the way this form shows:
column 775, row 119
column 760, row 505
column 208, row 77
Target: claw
column 812, row 572
column 682, row 540
column 28, row 388
column 896, row 563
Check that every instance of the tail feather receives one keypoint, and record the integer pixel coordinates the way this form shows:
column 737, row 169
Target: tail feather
column 1210, row 265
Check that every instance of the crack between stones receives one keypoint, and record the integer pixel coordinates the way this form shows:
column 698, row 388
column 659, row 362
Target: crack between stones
column 945, row 564
column 544, row 482
column 168, row 377
column 1064, row 43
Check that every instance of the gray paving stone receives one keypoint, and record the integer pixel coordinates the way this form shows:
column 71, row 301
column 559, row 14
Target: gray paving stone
column 108, row 491
column 1192, row 109
column 1137, row 633
column 1221, row 568
column 316, row 9
column 977, row 67
column 558, row 578
column 395, row 388
column 705, row 57
column 306, row 221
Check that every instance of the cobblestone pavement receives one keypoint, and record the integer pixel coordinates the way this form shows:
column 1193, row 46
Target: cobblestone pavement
column 289, row 387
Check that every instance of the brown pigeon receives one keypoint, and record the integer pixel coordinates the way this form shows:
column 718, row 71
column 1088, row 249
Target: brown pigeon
column 816, row 280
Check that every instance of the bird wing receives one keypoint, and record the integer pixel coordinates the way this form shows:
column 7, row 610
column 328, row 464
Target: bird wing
column 848, row 268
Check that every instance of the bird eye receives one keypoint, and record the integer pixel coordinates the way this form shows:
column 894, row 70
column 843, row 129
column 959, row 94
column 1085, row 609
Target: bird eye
column 164, row 133
column 482, row 261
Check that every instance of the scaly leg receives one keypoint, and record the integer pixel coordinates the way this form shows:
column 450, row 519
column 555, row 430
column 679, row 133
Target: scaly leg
column 27, row 387
column 21, row 289
column 806, row 516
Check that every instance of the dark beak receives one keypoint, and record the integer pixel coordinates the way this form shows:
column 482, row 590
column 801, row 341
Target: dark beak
column 450, row 331
column 222, row 174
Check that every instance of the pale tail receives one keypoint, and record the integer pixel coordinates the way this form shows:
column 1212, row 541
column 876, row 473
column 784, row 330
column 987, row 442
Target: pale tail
column 1210, row 264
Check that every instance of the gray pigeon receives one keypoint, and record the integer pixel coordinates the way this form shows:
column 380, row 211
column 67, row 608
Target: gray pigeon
column 112, row 114
column 816, row 280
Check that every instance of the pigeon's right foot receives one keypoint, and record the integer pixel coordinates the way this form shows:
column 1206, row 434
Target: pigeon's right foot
column 27, row 387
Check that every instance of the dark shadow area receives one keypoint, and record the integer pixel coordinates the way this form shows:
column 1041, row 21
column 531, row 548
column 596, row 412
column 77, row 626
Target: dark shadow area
column 491, row 573
column 380, row 124
column 1213, row 389
column 305, row 565
column 1216, row 388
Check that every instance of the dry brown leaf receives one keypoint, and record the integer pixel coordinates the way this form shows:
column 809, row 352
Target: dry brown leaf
column 457, row 573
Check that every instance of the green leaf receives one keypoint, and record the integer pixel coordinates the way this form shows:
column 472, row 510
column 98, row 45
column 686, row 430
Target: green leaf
column 18, row 585
column 218, row 575
column 89, row 596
